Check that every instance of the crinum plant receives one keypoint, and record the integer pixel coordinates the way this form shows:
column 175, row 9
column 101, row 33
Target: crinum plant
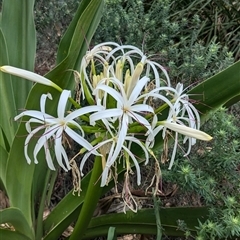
column 120, row 91
column 130, row 108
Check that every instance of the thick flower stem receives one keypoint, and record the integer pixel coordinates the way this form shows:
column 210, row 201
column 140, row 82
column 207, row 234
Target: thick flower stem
column 90, row 201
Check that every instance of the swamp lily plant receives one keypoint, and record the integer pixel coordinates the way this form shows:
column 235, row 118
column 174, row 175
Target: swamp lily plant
column 126, row 93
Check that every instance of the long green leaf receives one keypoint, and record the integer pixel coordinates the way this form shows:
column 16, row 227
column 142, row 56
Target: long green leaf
column 19, row 31
column 19, row 177
column 74, row 43
column 217, row 90
column 10, row 235
column 65, row 46
column 8, row 127
column 16, row 218
column 3, row 166
column 144, row 221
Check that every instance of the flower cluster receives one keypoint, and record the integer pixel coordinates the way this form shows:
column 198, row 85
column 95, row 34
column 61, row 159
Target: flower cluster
column 127, row 95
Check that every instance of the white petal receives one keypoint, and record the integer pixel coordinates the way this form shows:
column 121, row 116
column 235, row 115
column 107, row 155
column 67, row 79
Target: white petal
column 135, row 163
column 59, row 151
column 44, row 138
column 188, row 131
column 137, row 90
column 27, row 140
column 174, row 151
column 29, row 76
column 43, row 101
column 142, row 108
column 156, row 95
column 80, row 140
column 108, row 113
column 48, row 156
column 62, row 103
column 137, row 141
column 34, row 114
column 104, row 176
column 79, row 112
column 32, row 120
column 75, row 125
column 108, row 165
column 116, row 95
column 86, row 156
column 120, row 141
column 151, row 136
column 143, row 121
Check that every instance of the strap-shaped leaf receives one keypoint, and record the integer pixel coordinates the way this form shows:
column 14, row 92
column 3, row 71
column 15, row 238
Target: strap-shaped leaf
column 16, row 218
column 217, row 90
column 10, row 235
column 19, row 31
column 8, row 106
column 144, row 221
column 3, row 165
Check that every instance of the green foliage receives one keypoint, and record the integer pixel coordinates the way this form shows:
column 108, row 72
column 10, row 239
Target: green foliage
column 212, row 176
column 218, row 19
column 148, row 24
column 174, row 39
column 51, row 18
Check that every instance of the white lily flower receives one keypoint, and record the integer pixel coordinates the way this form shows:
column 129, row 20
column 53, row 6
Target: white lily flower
column 130, row 53
column 112, row 59
column 182, row 103
column 183, row 118
column 184, row 114
column 54, row 128
column 29, row 76
column 127, row 109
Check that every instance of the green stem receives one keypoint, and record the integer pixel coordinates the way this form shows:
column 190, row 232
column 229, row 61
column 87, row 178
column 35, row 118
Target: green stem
column 90, row 201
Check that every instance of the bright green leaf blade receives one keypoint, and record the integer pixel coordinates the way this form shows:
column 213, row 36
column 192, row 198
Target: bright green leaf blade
column 16, row 218
column 19, row 177
column 144, row 221
column 19, row 31
column 3, row 166
column 10, row 235
column 6, row 98
column 64, row 46
column 217, row 90
column 74, row 44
